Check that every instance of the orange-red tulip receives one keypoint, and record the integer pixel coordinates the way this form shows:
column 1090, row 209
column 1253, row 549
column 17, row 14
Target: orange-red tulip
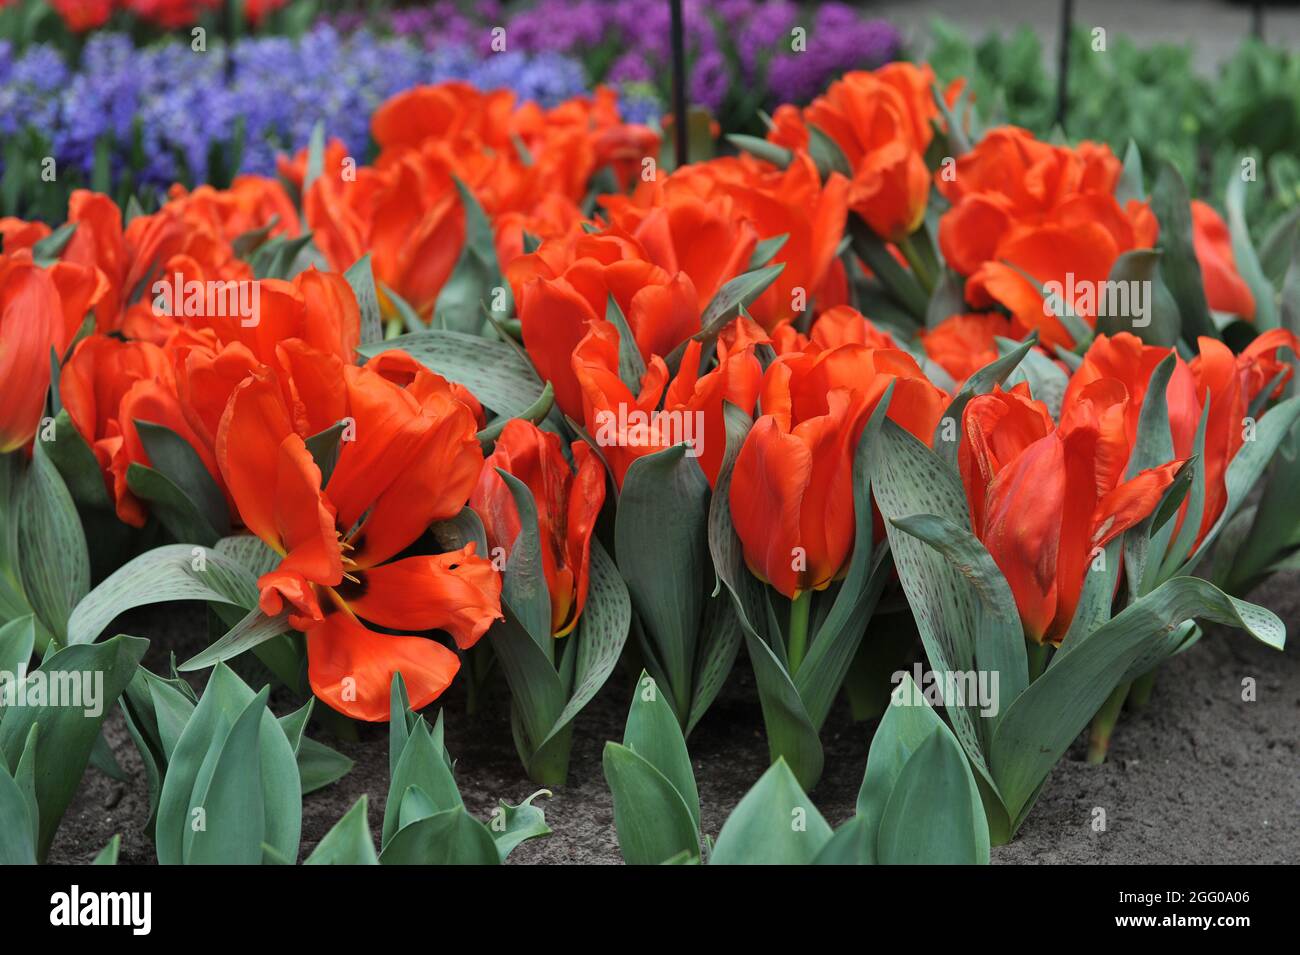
column 402, row 369
column 555, row 217
column 18, row 234
column 528, row 167
column 293, row 169
column 565, row 286
column 1044, row 498
column 250, row 204
column 411, row 458
column 98, row 243
column 628, row 426
column 106, row 386
column 190, row 234
column 841, row 325
column 80, row 16
column 454, row 112
column 881, row 123
column 792, row 488
column 405, row 212
column 31, row 324
column 1124, row 358
column 792, row 202
column 963, row 344
column 40, row 312
column 212, row 354
column 1231, row 384
column 1024, row 206
column 580, row 136
column 1225, row 290
column 567, row 500
column 682, row 231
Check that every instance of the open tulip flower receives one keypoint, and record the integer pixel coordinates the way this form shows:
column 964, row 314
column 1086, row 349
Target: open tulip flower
column 1025, row 214
column 413, row 461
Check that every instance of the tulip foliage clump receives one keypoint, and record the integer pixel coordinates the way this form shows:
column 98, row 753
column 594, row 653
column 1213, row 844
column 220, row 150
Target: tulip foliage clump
column 516, row 402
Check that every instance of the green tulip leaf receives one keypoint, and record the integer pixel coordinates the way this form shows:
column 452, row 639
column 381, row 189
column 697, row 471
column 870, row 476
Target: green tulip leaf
column 774, row 824
column 348, row 842
column 934, row 814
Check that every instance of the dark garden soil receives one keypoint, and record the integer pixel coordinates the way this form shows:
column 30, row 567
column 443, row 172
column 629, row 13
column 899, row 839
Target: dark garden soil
column 1198, row 776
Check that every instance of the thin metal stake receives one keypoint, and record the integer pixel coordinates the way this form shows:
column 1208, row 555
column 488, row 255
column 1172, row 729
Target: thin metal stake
column 679, row 82
column 1063, row 62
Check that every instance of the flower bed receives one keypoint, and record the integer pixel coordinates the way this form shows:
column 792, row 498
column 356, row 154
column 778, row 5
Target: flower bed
column 513, row 402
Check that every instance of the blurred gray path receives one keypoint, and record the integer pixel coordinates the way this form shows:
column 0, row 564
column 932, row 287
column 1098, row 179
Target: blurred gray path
column 1213, row 27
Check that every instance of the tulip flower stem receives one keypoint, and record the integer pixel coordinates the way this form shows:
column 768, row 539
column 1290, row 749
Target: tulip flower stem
column 798, row 641
column 340, row 726
column 918, row 266
column 1104, row 722
column 1036, row 655
column 1140, row 695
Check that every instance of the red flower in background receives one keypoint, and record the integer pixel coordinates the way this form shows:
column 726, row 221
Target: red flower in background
column 82, row 15
column 881, row 123
column 257, row 10
column 1049, row 212
column 170, row 14
column 963, row 344
column 1225, row 290
column 527, row 167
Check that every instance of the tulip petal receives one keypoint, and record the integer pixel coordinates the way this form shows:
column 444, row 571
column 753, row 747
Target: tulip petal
column 1022, row 529
column 459, row 592
column 351, row 667
column 771, row 474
